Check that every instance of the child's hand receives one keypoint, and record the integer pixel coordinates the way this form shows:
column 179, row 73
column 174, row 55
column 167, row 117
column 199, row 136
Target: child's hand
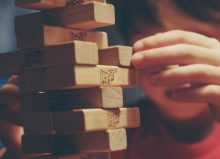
column 189, row 66
column 10, row 118
column 9, row 101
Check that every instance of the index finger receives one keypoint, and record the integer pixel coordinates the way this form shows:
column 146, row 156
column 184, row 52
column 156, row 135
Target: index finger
column 175, row 37
column 180, row 54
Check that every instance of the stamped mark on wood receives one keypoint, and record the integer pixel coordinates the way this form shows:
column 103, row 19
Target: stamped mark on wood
column 74, row 2
column 78, row 36
column 113, row 118
column 107, row 76
column 33, row 57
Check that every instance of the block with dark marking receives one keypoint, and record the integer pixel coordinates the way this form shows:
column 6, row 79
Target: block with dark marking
column 91, row 120
column 76, row 52
column 54, row 35
column 81, row 120
column 74, row 77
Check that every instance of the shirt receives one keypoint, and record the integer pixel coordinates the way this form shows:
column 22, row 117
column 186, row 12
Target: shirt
column 154, row 141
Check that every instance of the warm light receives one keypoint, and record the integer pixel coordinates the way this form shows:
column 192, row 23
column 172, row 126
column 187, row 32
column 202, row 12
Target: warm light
column 41, row 92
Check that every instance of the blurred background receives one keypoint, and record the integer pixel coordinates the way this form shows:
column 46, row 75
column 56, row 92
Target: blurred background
column 7, row 34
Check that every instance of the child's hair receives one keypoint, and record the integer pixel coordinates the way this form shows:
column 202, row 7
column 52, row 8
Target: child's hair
column 130, row 12
column 207, row 10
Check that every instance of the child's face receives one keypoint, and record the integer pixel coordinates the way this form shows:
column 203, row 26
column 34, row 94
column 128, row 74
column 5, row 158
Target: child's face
column 173, row 18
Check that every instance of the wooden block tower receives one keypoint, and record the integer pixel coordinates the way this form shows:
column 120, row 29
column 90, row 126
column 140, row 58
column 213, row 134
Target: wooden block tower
column 71, row 80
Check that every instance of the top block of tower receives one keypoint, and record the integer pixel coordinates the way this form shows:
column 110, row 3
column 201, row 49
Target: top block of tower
column 85, row 16
column 50, row 4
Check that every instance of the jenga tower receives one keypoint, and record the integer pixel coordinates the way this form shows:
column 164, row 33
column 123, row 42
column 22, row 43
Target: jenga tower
column 71, row 80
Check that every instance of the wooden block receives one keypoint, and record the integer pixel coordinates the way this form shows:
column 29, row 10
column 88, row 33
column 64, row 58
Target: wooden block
column 86, row 16
column 73, row 77
column 53, row 35
column 38, row 123
column 76, row 52
column 116, row 55
column 50, row 4
column 81, row 120
column 106, row 97
column 107, row 141
column 9, row 63
column 76, row 156
column 91, row 120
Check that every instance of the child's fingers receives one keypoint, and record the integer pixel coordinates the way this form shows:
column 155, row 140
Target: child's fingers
column 180, row 54
column 13, row 80
column 9, row 97
column 175, row 37
column 2, row 152
column 193, row 74
column 207, row 93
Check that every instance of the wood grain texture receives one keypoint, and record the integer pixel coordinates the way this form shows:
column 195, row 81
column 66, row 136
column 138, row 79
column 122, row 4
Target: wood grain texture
column 116, row 55
column 91, row 120
column 10, row 63
column 73, row 77
column 50, row 4
column 76, row 156
column 86, row 16
column 54, row 35
column 106, row 97
column 76, row 52
column 81, row 120
column 106, row 141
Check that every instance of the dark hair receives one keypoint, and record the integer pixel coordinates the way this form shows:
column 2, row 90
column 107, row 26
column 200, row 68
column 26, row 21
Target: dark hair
column 128, row 12
column 207, row 10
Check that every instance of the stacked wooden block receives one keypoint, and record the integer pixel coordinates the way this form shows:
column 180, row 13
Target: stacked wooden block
column 71, row 80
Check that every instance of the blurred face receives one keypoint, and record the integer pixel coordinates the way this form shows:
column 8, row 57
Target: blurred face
column 174, row 18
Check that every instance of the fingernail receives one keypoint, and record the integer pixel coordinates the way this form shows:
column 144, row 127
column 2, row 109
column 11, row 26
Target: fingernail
column 137, row 56
column 137, row 60
column 138, row 46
